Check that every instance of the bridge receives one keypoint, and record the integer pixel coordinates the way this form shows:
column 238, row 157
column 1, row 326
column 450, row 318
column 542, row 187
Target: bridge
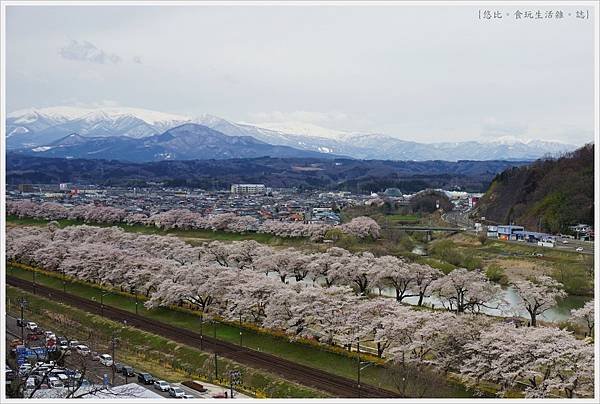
column 426, row 228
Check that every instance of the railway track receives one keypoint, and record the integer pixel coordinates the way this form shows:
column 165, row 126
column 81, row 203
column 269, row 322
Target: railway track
column 336, row 385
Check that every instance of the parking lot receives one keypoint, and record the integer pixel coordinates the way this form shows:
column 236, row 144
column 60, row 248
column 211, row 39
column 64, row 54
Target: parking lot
column 97, row 373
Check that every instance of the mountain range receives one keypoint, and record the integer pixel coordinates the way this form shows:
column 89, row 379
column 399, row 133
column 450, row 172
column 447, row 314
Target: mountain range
column 188, row 141
column 144, row 135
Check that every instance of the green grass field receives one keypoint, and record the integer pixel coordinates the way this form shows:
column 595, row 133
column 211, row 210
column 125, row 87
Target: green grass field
column 309, row 355
column 403, row 218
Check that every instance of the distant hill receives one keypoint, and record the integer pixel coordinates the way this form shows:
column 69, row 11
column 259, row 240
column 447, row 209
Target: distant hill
column 306, row 173
column 185, row 142
column 550, row 194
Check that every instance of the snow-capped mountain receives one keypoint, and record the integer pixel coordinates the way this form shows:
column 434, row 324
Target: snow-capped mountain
column 185, row 142
column 34, row 127
column 304, row 129
column 39, row 127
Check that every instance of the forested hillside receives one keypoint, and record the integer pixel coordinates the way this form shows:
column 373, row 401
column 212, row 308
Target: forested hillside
column 549, row 194
column 304, row 173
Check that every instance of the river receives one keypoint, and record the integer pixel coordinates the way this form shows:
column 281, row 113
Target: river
column 558, row 313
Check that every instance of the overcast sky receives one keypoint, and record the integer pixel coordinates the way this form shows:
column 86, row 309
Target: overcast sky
column 417, row 73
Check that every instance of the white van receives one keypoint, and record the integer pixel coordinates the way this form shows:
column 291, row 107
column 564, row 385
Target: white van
column 106, row 360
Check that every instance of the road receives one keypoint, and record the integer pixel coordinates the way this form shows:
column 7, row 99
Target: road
column 305, row 375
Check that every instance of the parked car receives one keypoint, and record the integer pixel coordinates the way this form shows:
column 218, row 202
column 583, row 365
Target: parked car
column 161, row 385
column 21, row 323
column 95, row 356
column 48, row 333
column 106, row 360
column 24, row 369
column 118, row 367
column 145, row 378
column 565, row 242
column 63, row 378
column 579, row 249
column 176, row 392
column 82, row 350
column 128, row 371
column 32, row 326
column 16, row 342
column 30, row 383
column 55, row 383
column 73, row 343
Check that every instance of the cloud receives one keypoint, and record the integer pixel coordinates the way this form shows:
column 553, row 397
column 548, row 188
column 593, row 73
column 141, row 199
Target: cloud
column 493, row 127
column 299, row 116
column 137, row 59
column 85, row 51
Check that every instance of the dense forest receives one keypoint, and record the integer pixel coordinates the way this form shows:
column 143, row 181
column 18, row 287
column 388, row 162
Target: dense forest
column 362, row 176
column 549, row 195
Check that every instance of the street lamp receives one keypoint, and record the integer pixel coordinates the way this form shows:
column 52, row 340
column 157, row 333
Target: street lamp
column 101, row 302
column 201, row 331
column 136, row 302
column 64, row 281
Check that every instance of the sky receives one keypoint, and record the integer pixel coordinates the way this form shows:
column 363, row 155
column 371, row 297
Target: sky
column 422, row 73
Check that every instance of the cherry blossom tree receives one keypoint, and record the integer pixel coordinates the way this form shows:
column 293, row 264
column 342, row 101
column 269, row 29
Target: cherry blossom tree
column 539, row 296
column 328, row 266
column 200, row 286
column 327, row 312
column 545, row 361
column 395, row 273
column 463, row 290
column 585, row 314
column 359, row 271
column 424, row 276
column 362, row 227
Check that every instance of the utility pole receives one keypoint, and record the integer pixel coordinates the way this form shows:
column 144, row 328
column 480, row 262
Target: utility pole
column 240, row 328
column 358, row 367
column 64, row 281
column 112, row 338
column 216, row 367
column 22, row 304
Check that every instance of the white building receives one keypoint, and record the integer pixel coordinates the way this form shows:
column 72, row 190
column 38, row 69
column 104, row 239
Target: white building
column 248, row 189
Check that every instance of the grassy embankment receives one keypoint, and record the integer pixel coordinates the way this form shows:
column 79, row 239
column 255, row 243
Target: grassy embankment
column 331, row 359
column 161, row 357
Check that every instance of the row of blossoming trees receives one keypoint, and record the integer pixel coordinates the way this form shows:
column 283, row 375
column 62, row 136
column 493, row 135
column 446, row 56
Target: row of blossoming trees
column 361, row 227
column 323, row 296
